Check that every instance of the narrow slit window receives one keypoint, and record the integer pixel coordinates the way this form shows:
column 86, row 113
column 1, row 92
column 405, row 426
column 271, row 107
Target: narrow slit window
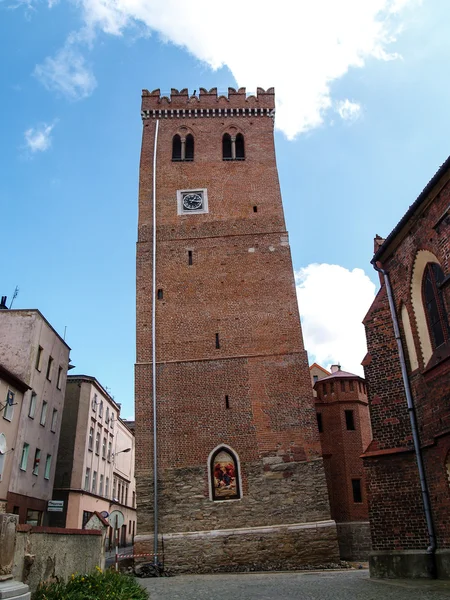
column 255, row 209
column 217, row 341
column 319, row 422
column 357, row 492
column 160, row 294
column 190, row 258
column 49, row 368
column 349, row 420
column 227, row 402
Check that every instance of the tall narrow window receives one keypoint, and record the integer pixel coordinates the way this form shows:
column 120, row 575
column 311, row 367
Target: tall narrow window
column 87, row 479
column 94, row 482
column 48, row 465
column 97, row 442
column 217, row 341
column 58, row 381
column 224, row 475
column 24, row 458
column 100, row 410
column 226, row 147
column 54, row 420
column 357, row 492
column 350, row 386
column 8, row 409
column 39, row 358
column 434, row 305
column 49, row 368
column 160, row 294
column 104, row 448
column 32, row 407
column 190, row 259
column 240, row 151
column 319, row 422
column 43, row 413
column 189, row 150
column 107, row 487
column 349, row 420
column 109, row 451
column 227, row 402
column 342, row 386
column 37, row 460
column 176, row 147
column 100, row 487
column 91, row 439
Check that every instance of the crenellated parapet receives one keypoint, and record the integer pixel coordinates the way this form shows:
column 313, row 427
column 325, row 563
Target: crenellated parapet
column 206, row 103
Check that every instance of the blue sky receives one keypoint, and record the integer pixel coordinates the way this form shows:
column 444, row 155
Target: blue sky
column 362, row 125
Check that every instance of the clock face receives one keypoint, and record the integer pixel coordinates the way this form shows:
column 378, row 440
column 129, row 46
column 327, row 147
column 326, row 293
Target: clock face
column 192, row 201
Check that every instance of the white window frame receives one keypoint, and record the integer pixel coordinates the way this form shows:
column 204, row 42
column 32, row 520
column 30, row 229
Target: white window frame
column 24, row 458
column 8, row 409
column 37, row 461
column 48, row 466
column 33, row 403
column 54, row 420
column 44, row 409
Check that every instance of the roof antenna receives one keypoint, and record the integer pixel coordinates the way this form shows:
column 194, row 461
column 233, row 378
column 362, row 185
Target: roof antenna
column 16, row 293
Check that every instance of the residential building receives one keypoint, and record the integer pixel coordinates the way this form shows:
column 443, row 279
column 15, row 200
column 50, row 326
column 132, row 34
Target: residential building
column 407, row 369
column 95, row 465
column 317, row 372
column 35, row 354
column 344, row 426
column 239, row 473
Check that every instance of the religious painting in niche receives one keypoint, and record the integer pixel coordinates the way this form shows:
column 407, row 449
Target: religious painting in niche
column 224, row 475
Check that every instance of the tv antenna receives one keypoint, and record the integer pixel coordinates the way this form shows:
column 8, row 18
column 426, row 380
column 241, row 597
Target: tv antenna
column 16, row 293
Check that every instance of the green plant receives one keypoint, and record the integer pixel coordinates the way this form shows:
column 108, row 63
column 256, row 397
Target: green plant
column 99, row 585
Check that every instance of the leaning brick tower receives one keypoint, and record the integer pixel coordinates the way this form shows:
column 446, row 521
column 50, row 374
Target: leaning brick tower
column 240, row 478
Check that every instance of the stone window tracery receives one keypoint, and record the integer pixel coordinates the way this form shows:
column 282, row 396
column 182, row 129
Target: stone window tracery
column 183, row 147
column 233, row 147
column 433, row 302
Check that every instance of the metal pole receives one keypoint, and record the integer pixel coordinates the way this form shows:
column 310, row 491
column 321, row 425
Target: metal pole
column 155, row 456
column 413, row 420
column 116, row 531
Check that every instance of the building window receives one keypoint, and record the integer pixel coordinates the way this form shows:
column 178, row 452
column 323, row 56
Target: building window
column 357, row 492
column 34, row 517
column 109, row 451
column 24, row 459
column 100, row 487
column 134, row 499
column 94, row 482
column 32, row 407
column 342, row 386
column 176, row 147
column 37, row 460
column 100, row 410
column 189, row 148
column 43, row 413
column 86, row 516
column 114, row 488
column 2, row 454
column 233, row 147
column 107, row 415
column 434, row 305
column 331, row 387
column 39, row 358
column 49, row 368
column 104, row 448
column 315, row 378
column 183, row 148
column 58, row 381
column 54, row 420
column 97, row 443
column 8, row 409
column 324, row 388
column 48, row 465
column 350, row 386
column 319, row 422
column 91, row 439
column 107, row 487
column 87, row 479
column 224, row 475
column 94, row 403
column 349, row 420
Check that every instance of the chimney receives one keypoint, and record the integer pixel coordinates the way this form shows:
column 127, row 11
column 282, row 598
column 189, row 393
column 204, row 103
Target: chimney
column 335, row 368
column 3, row 303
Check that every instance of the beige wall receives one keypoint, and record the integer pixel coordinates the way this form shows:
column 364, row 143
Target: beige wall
column 316, row 370
column 9, row 430
column 23, row 332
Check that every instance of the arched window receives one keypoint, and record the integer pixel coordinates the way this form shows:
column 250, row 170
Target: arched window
column 437, row 319
column 226, row 147
column 224, row 475
column 240, row 152
column 176, row 147
column 189, row 154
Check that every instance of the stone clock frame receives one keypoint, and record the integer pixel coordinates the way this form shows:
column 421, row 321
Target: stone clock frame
column 180, row 195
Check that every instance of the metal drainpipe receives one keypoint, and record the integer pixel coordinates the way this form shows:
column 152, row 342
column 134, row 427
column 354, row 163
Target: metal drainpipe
column 413, row 419
column 155, row 448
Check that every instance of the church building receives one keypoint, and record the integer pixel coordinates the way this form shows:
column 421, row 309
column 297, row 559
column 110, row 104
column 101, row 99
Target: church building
column 228, row 461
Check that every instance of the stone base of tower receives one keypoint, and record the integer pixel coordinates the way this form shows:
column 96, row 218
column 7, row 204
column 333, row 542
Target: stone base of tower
column 293, row 546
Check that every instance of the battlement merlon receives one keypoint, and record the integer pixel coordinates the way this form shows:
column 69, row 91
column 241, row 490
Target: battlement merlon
column 204, row 99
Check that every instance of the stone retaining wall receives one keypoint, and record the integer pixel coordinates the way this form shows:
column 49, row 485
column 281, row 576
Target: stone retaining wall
column 354, row 540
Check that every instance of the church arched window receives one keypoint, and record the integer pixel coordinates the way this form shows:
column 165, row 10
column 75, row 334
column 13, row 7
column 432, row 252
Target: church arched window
column 226, row 146
column 224, row 475
column 433, row 301
column 176, row 147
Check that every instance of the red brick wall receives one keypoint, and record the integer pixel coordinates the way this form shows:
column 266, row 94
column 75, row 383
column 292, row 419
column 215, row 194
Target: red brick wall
column 396, row 509
column 240, row 285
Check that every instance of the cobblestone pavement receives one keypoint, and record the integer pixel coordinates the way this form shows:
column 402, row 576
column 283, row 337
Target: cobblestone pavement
column 341, row 585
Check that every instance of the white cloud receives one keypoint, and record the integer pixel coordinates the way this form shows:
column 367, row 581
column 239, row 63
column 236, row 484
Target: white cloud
column 67, row 73
column 37, row 139
column 333, row 302
column 348, row 111
column 299, row 47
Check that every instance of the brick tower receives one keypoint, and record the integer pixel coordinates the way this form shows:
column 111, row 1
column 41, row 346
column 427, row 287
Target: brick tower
column 240, row 474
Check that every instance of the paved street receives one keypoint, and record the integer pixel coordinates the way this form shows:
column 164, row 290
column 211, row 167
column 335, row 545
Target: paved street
column 347, row 585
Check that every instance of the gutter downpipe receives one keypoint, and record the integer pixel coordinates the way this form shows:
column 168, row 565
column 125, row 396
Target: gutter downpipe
column 155, row 446
column 431, row 550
